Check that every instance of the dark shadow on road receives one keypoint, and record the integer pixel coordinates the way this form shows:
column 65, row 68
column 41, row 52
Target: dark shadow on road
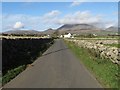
column 55, row 51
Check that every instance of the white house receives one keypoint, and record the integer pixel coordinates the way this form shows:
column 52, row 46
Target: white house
column 61, row 36
column 68, row 35
column 94, row 34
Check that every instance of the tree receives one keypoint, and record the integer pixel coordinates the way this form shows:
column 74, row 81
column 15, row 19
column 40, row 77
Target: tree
column 55, row 34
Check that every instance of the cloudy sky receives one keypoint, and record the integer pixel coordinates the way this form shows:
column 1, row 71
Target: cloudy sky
column 43, row 15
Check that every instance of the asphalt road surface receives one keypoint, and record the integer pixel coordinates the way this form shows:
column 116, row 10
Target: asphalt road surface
column 57, row 68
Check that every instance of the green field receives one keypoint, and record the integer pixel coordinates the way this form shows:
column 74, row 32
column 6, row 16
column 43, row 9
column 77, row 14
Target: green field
column 104, row 70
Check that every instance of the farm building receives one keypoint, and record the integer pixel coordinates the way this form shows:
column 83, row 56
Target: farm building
column 68, row 35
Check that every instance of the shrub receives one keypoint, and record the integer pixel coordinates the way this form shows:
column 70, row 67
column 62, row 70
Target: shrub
column 17, row 52
column 12, row 73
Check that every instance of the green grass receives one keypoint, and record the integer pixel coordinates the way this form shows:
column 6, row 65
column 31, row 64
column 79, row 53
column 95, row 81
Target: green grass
column 12, row 74
column 104, row 70
column 113, row 45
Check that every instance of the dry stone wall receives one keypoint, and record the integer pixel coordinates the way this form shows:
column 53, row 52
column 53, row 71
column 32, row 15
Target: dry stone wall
column 108, row 52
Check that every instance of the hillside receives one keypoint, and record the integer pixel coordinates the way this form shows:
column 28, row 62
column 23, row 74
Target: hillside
column 49, row 31
column 69, row 28
column 78, row 28
column 22, row 32
column 112, row 28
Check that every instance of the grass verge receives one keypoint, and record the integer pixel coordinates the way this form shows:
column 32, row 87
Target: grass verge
column 12, row 74
column 104, row 70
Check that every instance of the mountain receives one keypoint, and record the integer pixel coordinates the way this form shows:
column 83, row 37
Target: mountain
column 49, row 31
column 78, row 28
column 112, row 28
column 22, row 32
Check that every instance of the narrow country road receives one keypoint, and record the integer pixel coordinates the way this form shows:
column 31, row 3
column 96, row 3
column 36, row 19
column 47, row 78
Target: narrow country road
column 57, row 68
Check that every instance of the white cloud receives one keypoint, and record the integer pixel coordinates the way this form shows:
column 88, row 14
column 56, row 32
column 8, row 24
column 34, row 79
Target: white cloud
column 110, row 23
column 31, row 22
column 52, row 19
column 75, row 3
column 18, row 25
column 82, row 17
column 58, row 0
column 79, row 17
column 53, row 13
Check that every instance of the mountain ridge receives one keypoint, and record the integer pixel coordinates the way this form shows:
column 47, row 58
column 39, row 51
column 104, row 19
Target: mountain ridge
column 67, row 28
column 22, row 32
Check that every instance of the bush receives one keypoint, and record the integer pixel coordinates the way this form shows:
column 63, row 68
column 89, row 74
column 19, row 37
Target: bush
column 12, row 73
column 18, row 52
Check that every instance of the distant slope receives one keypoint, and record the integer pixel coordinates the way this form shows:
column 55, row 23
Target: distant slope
column 49, row 31
column 22, row 32
column 78, row 28
column 112, row 28
column 70, row 28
